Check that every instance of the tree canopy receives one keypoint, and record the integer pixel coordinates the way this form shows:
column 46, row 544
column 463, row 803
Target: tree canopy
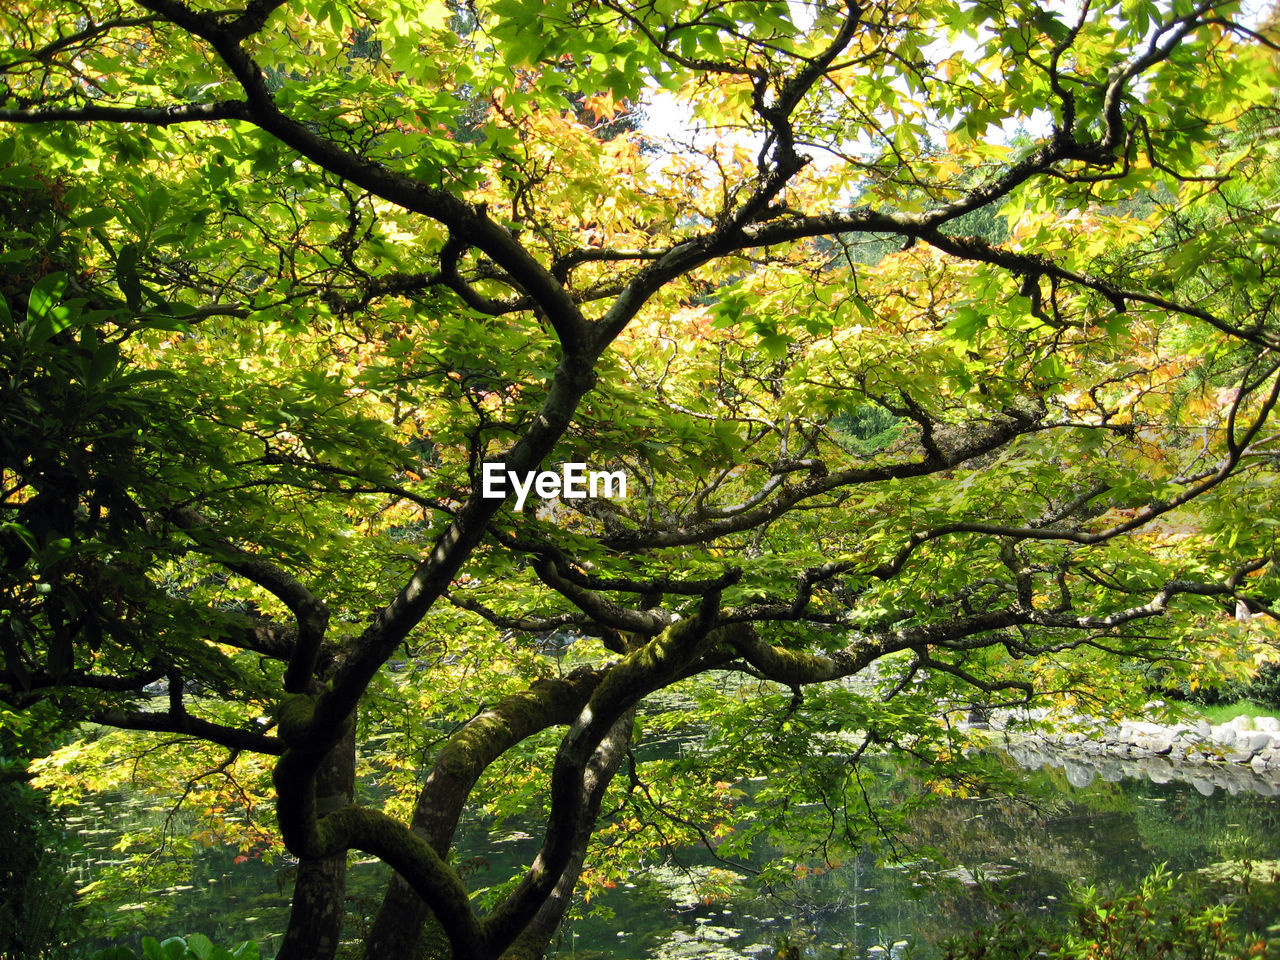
column 940, row 349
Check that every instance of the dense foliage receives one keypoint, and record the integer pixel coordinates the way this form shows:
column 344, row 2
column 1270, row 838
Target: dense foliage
column 36, row 896
column 195, row 947
column 1159, row 920
column 939, row 351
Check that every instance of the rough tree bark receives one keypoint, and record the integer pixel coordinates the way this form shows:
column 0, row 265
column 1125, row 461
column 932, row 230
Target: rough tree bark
column 403, row 926
column 319, row 893
column 533, row 941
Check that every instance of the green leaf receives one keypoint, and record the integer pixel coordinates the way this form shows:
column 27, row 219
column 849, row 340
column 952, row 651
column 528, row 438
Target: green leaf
column 967, row 323
column 94, row 218
column 201, row 946
column 775, row 345
column 114, row 953
column 105, row 358
column 1051, row 368
column 127, row 275
column 157, row 203
column 47, row 292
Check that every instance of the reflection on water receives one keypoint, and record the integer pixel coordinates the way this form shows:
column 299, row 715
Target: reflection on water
column 1111, row 829
column 1028, row 853
column 190, row 888
column 1082, row 769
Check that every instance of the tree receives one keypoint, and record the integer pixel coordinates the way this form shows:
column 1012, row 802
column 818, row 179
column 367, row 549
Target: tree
column 295, row 314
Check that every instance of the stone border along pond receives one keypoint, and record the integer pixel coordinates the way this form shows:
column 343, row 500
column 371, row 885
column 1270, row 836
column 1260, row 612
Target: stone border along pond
column 1242, row 755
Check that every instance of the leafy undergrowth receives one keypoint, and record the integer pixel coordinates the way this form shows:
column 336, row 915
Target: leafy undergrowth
column 195, row 947
column 1165, row 918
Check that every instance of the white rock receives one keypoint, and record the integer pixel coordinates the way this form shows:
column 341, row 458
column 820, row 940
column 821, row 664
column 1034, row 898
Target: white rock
column 1159, row 745
column 1258, row 740
column 1270, row 724
column 1223, row 736
column 1079, row 775
column 1146, row 728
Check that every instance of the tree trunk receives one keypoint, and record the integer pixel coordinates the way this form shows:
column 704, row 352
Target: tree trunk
column 537, row 935
column 319, row 894
column 405, row 929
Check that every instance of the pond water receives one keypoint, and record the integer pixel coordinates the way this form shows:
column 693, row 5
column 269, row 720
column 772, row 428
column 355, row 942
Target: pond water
column 1113, row 830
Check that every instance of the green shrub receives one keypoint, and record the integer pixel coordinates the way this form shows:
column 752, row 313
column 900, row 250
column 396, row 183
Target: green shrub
column 195, row 947
column 37, row 916
column 866, row 429
column 1263, row 689
column 1164, row 919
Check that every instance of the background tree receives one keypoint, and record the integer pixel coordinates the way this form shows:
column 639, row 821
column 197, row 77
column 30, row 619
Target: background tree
column 302, row 311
